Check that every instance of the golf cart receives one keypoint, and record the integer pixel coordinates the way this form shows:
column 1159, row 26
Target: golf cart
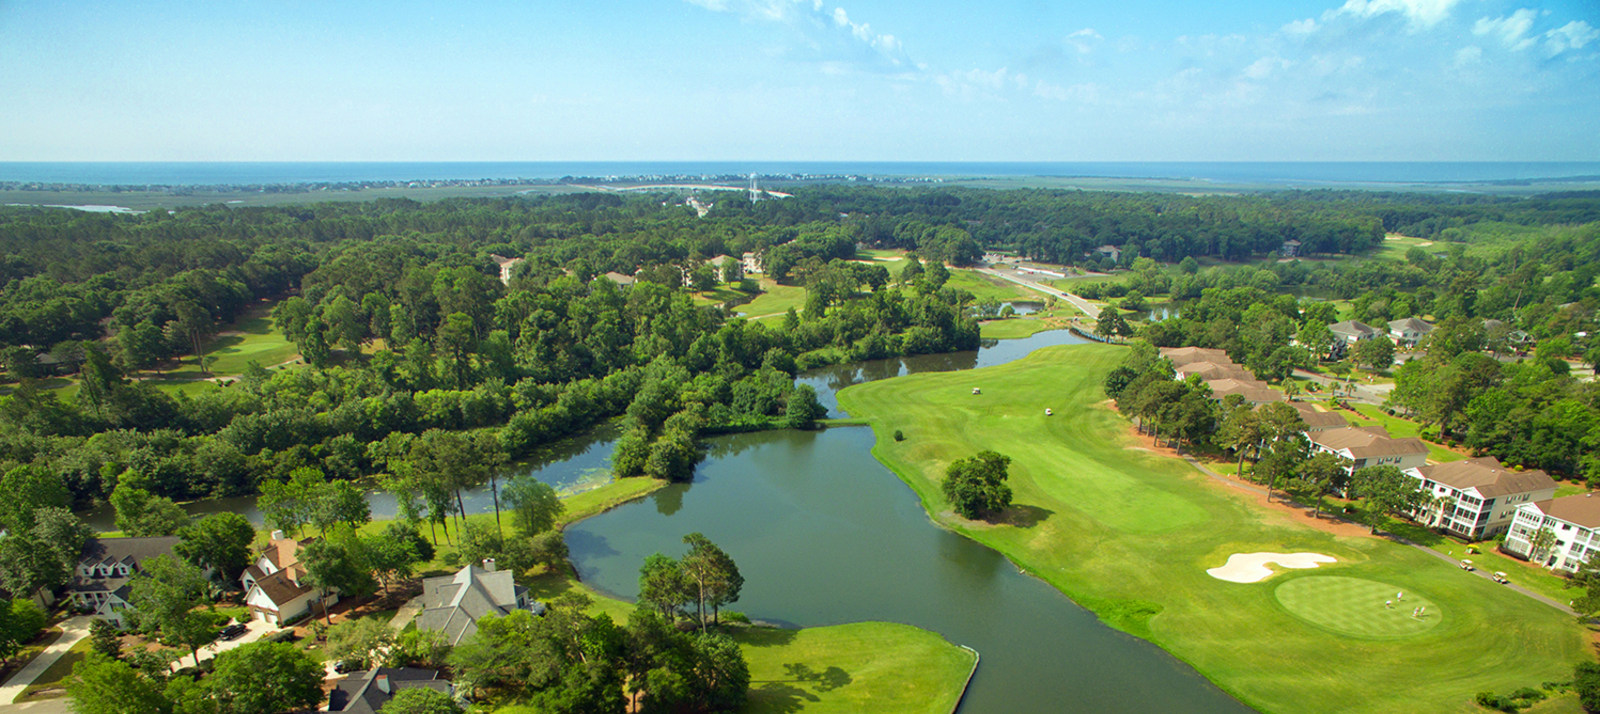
column 1501, row 578
column 1467, row 565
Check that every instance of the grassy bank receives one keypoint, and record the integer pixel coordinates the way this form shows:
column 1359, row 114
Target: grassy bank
column 1130, row 534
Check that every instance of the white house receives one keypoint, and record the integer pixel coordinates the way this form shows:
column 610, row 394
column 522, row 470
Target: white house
column 100, row 582
column 752, row 262
column 273, row 588
column 1573, row 520
column 1409, row 331
column 452, row 604
column 1370, row 446
column 1478, row 498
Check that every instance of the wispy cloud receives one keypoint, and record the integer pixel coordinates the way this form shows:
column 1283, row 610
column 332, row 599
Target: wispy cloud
column 831, row 33
column 1571, row 36
column 1421, row 14
column 1511, row 30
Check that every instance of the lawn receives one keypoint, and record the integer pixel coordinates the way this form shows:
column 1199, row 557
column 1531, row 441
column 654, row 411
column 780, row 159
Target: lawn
column 1399, row 428
column 1130, row 534
column 987, row 288
column 721, row 295
column 252, row 338
column 54, row 677
column 775, row 301
column 866, row 666
column 1018, row 327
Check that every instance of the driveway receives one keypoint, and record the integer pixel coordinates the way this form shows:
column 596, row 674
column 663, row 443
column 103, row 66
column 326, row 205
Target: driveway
column 73, row 630
column 254, row 630
column 406, row 613
column 59, row 705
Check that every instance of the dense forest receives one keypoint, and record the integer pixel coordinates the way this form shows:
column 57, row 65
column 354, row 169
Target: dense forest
column 410, row 334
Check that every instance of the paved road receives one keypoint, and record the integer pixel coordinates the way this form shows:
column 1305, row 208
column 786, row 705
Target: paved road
column 1086, row 307
column 255, row 630
column 73, row 630
column 1446, row 558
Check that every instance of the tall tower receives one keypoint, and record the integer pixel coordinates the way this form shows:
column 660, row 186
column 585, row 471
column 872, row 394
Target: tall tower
column 755, row 192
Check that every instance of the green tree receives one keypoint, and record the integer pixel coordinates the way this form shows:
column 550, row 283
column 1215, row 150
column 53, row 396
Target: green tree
column 27, row 564
column 534, row 504
column 288, row 505
column 1319, row 475
column 220, row 542
column 314, row 344
column 664, row 585
column 164, row 597
column 1586, row 680
column 1376, row 353
column 421, row 700
column 101, row 685
column 802, row 408
column 26, row 489
column 266, row 678
column 141, row 514
column 976, row 485
column 105, row 639
column 1388, row 492
column 338, row 502
column 715, row 578
column 362, row 639
column 394, row 554
column 337, row 565
column 1541, row 543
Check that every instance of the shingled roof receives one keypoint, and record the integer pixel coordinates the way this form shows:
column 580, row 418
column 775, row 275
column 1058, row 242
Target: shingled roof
column 1188, row 355
column 452, row 604
column 1488, row 476
column 367, row 692
column 1580, row 509
column 1367, row 442
column 132, row 552
column 1318, row 419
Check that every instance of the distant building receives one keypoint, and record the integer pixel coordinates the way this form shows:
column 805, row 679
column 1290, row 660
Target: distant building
column 1317, row 420
column 367, row 692
column 1409, row 331
column 1348, row 333
column 620, row 279
column 1185, row 355
column 1253, row 391
column 274, row 585
column 1477, row 498
column 1289, row 248
column 752, row 262
column 1573, row 520
column 1213, row 370
column 506, row 266
column 1111, row 252
column 1370, row 446
column 101, row 582
column 452, row 604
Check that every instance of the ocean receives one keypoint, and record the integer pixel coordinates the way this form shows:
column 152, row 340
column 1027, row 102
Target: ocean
column 266, row 173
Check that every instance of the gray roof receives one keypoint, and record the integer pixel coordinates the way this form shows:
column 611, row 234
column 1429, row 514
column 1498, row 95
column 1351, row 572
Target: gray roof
column 361, row 693
column 1410, row 324
column 452, row 604
column 1352, row 328
column 109, row 551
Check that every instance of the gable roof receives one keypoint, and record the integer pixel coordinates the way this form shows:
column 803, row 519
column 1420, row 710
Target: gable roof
column 132, row 552
column 1367, row 441
column 1410, row 324
column 1317, row 419
column 1488, row 476
column 452, row 604
column 619, row 278
column 1352, row 327
column 1214, row 370
column 1189, row 355
column 1579, row 509
column 1251, row 390
column 362, row 694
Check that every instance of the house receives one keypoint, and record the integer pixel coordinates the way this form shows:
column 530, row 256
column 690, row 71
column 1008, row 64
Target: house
column 1214, row 370
column 752, row 262
column 1289, row 248
column 1409, row 331
column 1497, row 329
column 452, row 604
column 1111, row 252
column 619, row 278
column 719, row 261
column 506, row 266
column 274, row 587
column 1317, row 420
column 1477, row 499
column 1187, row 355
column 100, row 583
column 367, row 692
column 1367, row 446
column 1348, row 333
column 1573, row 520
column 1254, row 392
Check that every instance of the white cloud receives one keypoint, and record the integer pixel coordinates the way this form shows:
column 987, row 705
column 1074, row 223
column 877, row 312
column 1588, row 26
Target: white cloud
column 975, row 83
column 1511, row 29
column 810, row 16
column 1300, row 27
column 1469, row 55
column 1084, row 40
column 1422, row 14
column 1571, row 36
column 1265, row 67
column 1086, row 93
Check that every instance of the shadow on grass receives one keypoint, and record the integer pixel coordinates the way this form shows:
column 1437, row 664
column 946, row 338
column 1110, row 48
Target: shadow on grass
column 778, row 697
column 1025, row 516
column 765, row 636
column 826, row 681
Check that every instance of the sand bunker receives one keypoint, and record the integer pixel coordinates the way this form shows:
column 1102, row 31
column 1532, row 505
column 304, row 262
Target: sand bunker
column 1252, row 567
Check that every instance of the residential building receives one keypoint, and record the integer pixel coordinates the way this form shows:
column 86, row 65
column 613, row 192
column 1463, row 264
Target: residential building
column 1187, row 355
column 274, row 585
column 1572, row 520
column 1348, row 333
column 1477, row 498
column 752, row 262
column 367, row 692
column 1289, row 248
column 1317, row 420
column 506, row 266
column 1409, row 331
column 101, row 582
column 1254, row 392
column 452, row 604
column 619, row 278
column 1109, row 251
column 1367, row 446
column 1214, row 370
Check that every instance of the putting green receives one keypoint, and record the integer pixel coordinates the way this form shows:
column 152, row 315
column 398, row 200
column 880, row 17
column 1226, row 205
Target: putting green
column 1356, row 607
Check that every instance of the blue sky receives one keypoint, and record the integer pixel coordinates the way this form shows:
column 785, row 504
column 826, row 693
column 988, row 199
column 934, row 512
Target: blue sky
column 867, row 80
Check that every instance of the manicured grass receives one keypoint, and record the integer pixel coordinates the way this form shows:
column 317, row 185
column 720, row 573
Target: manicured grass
column 860, row 667
column 1129, row 534
column 1356, row 607
column 1399, row 428
column 776, row 300
column 54, row 676
column 1018, row 327
column 987, row 288
column 720, row 295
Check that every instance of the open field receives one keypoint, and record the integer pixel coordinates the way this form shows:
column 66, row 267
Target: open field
column 986, row 288
column 866, row 666
column 775, row 301
column 1129, row 534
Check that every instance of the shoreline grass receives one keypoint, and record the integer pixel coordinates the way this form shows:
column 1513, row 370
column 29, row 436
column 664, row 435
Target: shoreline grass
column 1129, row 534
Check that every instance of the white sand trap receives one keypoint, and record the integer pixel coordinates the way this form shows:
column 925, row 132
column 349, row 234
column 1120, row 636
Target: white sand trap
column 1252, row 567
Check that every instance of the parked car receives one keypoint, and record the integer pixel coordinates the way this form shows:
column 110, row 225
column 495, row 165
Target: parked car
column 1501, row 578
column 1467, row 565
column 346, row 666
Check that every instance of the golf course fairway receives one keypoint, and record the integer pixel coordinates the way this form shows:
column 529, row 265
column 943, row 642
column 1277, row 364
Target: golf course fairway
column 1130, row 534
